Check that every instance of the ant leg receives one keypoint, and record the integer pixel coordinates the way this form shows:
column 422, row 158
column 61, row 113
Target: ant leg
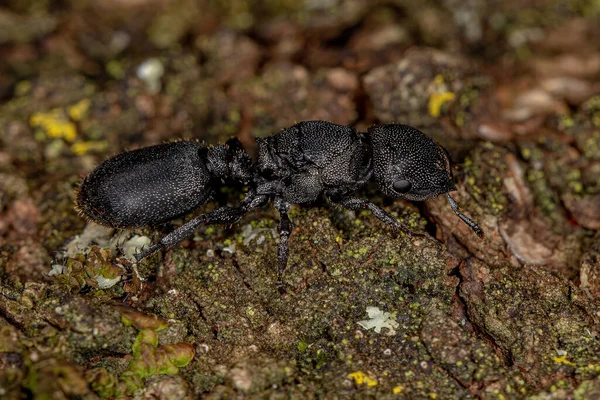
column 470, row 223
column 223, row 216
column 357, row 204
column 285, row 230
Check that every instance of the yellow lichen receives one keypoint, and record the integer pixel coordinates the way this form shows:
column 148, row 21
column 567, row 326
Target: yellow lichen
column 397, row 389
column 78, row 110
column 81, row 148
column 55, row 124
column 437, row 100
column 360, row 378
column 563, row 360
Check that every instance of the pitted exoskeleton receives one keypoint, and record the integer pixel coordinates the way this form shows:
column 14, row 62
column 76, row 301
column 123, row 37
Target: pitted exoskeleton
column 298, row 165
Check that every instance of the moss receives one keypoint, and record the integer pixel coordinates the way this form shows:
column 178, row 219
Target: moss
column 484, row 169
column 529, row 329
column 115, row 69
column 545, row 197
column 591, row 146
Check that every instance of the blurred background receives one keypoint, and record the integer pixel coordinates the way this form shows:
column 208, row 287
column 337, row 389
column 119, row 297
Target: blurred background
column 510, row 88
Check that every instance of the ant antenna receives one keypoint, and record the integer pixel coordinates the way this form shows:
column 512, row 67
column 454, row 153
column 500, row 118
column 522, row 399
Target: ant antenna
column 472, row 224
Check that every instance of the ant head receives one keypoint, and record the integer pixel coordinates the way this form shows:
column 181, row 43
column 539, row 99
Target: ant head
column 409, row 165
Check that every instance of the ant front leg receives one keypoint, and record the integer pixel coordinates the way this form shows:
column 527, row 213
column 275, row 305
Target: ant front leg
column 222, row 216
column 285, row 230
column 358, row 204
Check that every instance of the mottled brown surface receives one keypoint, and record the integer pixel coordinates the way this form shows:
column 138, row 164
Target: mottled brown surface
column 510, row 89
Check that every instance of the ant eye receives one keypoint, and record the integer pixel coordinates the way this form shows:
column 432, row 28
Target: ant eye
column 402, row 186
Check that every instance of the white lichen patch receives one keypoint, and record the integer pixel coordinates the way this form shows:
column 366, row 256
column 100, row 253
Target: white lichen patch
column 250, row 233
column 135, row 245
column 150, row 72
column 229, row 249
column 99, row 235
column 105, row 283
column 57, row 269
column 92, row 234
column 123, row 242
column 379, row 319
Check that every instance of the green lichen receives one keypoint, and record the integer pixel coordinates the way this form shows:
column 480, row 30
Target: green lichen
column 545, row 197
column 591, row 146
column 484, row 169
column 145, row 323
column 567, row 345
column 148, row 358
